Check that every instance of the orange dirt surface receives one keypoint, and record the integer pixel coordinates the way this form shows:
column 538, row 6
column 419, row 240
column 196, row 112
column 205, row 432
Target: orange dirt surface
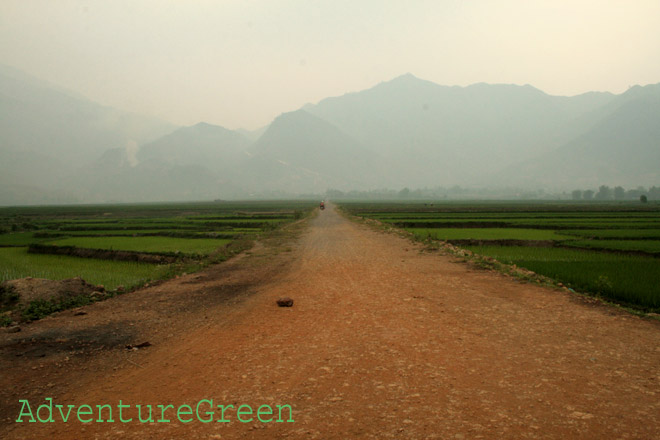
column 383, row 341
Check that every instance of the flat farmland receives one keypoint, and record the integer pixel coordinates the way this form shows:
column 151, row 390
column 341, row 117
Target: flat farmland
column 201, row 246
column 130, row 245
column 610, row 250
column 487, row 234
column 16, row 262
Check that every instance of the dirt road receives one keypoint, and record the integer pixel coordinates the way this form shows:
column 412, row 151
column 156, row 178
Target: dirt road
column 383, row 341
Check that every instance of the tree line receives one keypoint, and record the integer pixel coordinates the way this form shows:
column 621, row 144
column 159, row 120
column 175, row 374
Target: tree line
column 605, row 192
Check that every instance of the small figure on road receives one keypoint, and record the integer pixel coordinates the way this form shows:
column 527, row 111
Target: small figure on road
column 322, row 205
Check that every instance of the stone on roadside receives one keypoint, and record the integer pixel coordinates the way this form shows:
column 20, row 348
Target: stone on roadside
column 285, row 302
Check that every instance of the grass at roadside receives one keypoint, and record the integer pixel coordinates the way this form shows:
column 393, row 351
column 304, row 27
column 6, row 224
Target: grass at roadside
column 487, row 234
column 648, row 246
column 631, row 280
column 200, row 246
column 17, row 263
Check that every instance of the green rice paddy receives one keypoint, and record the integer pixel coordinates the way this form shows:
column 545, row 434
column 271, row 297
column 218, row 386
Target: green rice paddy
column 17, row 263
column 201, row 246
column 193, row 230
column 624, row 278
column 606, row 249
column 487, row 234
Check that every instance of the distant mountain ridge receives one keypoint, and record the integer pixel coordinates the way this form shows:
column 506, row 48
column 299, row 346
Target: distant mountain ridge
column 623, row 145
column 191, row 163
column 465, row 132
column 199, row 144
column 56, row 146
column 301, row 150
column 48, row 133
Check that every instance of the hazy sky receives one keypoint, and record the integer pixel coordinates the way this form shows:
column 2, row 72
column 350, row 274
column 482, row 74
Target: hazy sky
column 241, row 63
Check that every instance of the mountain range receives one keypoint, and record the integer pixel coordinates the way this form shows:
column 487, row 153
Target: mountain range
column 59, row 147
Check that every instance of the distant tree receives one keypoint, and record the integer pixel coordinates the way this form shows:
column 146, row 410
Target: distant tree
column 576, row 194
column 654, row 193
column 643, row 198
column 604, row 193
column 416, row 194
column 456, row 190
column 587, row 194
column 334, row 193
column 619, row 193
column 404, row 193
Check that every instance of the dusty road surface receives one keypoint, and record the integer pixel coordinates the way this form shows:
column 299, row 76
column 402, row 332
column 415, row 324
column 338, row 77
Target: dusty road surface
column 383, row 341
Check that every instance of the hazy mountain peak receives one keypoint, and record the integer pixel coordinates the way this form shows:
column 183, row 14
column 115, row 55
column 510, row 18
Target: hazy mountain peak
column 483, row 87
column 589, row 94
column 195, row 137
column 300, row 122
column 292, row 114
column 300, row 150
column 636, row 91
column 407, row 81
column 202, row 144
column 405, row 77
column 297, row 124
column 203, row 125
column 205, row 128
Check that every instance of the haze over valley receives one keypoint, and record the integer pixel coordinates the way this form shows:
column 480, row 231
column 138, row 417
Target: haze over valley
column 59, row 147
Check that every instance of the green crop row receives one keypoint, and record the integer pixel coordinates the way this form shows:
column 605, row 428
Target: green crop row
column 513, row 216
column 632, row 280
column 19, row 239
column 143, row 232
column 625, row 234
column 648, row 246
column 17, row 263
column 487, row 234
column 199, row 246
column 154, row 210
column 522, row 223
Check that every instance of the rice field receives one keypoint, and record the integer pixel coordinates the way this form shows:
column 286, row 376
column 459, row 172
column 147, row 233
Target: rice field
column 606, row 249
column 193, row 230
column 487, row 234
column 627, row 279
column 198, row 246
column 18, row 239
column 648, row 246
column 16, row 263
column 626, row 234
